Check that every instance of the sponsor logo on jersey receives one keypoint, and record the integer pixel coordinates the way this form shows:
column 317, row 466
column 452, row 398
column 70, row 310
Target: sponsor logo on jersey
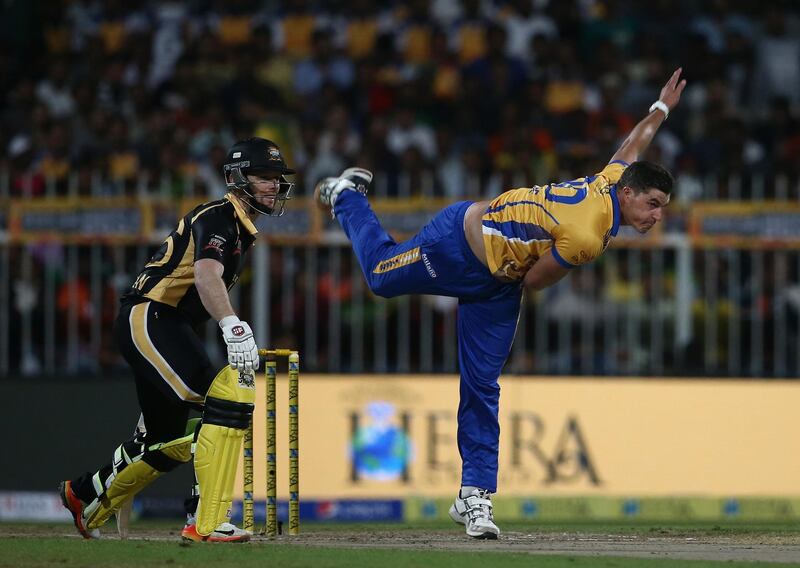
column 428, row 266
column 398, row 261
column 215, row 243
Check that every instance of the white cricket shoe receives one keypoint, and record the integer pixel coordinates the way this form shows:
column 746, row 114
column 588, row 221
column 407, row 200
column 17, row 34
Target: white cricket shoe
column 475, row 513
column 359, row 177
column 353, row 179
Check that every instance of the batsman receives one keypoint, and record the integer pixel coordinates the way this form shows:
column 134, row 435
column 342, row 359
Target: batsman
column 185, row 283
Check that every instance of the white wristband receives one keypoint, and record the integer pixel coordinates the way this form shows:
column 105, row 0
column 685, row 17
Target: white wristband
column 659, row 105
column 228, row 320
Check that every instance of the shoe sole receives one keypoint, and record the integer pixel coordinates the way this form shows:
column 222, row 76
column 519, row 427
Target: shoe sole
column 216, row 540
column 360, row 174
column 483, row 536
column 72, row 504
column 194, row 537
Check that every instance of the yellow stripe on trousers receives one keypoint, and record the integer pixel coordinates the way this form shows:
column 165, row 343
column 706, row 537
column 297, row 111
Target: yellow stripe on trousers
column 141, row 339
column 398, row 261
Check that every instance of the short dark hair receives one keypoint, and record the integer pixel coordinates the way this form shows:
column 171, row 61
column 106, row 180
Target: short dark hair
column 642, row 175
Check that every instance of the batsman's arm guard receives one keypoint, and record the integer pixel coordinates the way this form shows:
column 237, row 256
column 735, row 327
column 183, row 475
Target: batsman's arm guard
column 135, row 467
column 228, row 412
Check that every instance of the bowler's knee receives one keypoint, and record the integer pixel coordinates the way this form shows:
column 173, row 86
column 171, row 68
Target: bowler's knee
column 380, row 287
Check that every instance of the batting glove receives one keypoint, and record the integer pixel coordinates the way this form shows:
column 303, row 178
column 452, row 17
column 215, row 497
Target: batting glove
column 242, row 349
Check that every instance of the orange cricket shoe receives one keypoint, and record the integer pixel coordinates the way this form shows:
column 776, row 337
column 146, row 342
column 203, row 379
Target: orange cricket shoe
column 225, row 532
column 75, row 506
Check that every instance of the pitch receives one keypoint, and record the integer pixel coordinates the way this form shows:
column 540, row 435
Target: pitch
column 424, row 544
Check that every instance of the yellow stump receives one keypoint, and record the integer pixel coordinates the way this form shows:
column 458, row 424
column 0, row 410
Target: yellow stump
column 294, row 443
column 271, row 373
column 272, row 483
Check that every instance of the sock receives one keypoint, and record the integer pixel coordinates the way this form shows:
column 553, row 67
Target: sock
column 468, row 490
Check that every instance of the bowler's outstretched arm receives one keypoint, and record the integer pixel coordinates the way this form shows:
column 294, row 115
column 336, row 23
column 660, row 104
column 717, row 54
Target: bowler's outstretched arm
column 642, row 134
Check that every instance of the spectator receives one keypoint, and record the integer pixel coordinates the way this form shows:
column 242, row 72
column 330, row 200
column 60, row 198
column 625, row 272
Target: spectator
column 449, row 167
column 468, row 31
column 55, row 92
column 406, row 131
column 493, row 78
column 294, row 31
column 322, row 66
column 414, row 31
column 358, row 29
column 55, row 162
column 522, row 24
column 777, row 60
column 25, row 180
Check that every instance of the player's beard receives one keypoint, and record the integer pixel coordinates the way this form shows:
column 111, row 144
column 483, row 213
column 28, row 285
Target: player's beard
column 267, row 201
column 255, row 204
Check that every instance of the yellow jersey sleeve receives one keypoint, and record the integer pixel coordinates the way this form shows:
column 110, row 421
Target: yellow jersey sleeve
column 574, row 245
column 610, row 174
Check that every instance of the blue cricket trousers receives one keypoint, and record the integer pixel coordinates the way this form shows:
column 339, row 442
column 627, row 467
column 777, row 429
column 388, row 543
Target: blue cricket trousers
column 438, row 261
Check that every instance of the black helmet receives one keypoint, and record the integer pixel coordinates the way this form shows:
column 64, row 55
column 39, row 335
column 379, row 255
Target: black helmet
column 252, row 156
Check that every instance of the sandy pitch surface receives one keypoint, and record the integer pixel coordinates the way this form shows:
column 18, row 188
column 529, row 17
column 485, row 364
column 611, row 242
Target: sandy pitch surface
column 761, row 548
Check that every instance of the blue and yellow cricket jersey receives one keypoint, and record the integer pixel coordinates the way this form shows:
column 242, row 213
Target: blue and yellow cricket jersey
column 576, row 219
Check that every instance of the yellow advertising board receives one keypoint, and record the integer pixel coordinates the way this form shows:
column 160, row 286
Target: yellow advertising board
column 91, row 220
column 744, row 224
column 380, row 436
column 80, row 219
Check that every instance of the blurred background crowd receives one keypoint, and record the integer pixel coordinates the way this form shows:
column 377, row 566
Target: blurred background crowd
column 465, row 90
column 442, row 98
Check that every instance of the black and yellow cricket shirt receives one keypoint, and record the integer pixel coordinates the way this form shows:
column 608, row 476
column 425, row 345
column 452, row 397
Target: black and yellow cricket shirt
column 220, row 230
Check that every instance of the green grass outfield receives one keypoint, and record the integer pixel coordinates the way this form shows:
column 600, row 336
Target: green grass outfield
column 395, row 545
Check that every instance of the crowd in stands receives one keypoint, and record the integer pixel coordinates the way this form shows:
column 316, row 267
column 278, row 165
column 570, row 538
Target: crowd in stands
column 452, row 98
column 464, row 95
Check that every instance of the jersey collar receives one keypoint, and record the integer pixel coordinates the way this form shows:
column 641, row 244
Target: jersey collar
column 243, row 218
column 615, row 206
